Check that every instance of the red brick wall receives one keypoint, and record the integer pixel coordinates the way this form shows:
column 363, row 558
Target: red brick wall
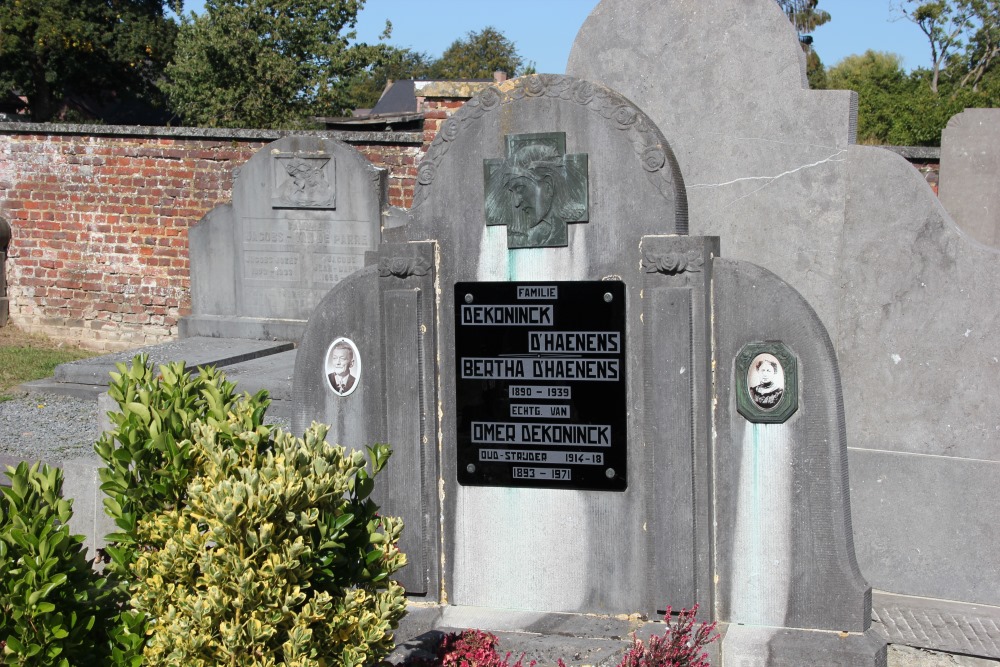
column 99, row 246
column 100, row 215
column 98, row 253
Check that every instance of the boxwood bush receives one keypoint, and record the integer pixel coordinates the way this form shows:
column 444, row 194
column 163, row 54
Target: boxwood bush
column 237, row 543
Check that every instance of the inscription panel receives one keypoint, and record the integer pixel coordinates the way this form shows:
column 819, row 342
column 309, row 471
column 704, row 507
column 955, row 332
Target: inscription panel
column 541, row 391
column 289, row 263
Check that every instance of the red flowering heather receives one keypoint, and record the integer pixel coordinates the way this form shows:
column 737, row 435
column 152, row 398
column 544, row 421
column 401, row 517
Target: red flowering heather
column 474, row 648
column 682, row 645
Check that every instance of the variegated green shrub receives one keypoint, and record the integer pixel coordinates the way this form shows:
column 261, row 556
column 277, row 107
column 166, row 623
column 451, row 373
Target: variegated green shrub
column 148, row 449
column 52, row 608
column 277, row 556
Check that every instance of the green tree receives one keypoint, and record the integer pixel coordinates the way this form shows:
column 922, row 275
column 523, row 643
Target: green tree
column 896, row 108
column 50, row 48
column 946, row 25
column 880, row 82
column 805, row 16
column 267, row 63
column 983, row 49
column 478, row 56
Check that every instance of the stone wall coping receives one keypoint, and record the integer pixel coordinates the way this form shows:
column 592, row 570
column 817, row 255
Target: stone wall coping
column 226, row 134
column 916, row 152
column 451, row 89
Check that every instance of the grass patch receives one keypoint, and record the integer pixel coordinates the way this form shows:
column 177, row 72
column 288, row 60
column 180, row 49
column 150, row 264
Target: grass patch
column 25, row 357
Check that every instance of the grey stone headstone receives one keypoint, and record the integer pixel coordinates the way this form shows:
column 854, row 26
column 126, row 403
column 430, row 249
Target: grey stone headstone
column 83, row 484
column 687, row 529
column 908, row 299
column 969, row 185
column 399, row 312
column 304, row 212
column 785, row 544
column 763, row 159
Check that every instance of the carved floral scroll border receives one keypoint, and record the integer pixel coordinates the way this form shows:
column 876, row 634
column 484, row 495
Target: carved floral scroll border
column 649, row 145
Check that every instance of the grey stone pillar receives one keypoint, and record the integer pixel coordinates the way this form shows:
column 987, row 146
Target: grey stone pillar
column 677, row 392
column 5, row 234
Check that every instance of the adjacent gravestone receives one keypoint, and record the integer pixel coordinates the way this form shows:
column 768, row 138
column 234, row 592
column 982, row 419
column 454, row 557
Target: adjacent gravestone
column 536, row 345
column 4, row 244
column 908, row 298
column 970, row 173
column 305, row 211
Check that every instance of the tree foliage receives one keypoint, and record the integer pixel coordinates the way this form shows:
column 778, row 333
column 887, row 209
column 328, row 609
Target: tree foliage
column 805, row 16
column 897, row 108
column 52, row 48
column 478, row 56
column 945, row 24
column 963, row 36
column 983, row 49
column 267, row 63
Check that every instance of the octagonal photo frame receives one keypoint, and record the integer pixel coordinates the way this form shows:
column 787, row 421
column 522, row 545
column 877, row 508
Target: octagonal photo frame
column 767, row 382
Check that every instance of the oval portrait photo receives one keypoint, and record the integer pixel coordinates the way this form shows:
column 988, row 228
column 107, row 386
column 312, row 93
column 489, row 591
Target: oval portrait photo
column 343, row 366
column 765, row 381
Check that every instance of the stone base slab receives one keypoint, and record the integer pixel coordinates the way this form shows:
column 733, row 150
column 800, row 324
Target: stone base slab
column 756, row 646
column 941, row 625
column 194, row 352
column 241, row 327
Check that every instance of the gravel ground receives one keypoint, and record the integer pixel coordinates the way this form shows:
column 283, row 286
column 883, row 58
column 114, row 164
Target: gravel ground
column 52, row 428
column 47, row 427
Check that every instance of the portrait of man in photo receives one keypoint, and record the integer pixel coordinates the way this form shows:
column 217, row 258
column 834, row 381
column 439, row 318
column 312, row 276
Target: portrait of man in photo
column 766, row 381
column 343, row 367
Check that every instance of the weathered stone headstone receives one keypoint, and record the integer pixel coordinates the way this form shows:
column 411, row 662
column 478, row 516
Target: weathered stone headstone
column 969, row 184
column 304, row 212
column 908, row 299
column 559, row 442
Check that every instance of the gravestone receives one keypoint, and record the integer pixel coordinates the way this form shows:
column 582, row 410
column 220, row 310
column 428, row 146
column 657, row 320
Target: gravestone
column 969, row 185
column 4, row 244
column 908, row 298
column 591, row 412
column 305, row 210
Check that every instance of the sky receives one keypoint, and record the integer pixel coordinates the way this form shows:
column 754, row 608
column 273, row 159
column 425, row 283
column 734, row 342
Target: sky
column 543, row 30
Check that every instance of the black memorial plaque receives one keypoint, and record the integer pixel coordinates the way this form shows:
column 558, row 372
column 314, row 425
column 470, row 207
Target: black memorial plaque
column 540, row 384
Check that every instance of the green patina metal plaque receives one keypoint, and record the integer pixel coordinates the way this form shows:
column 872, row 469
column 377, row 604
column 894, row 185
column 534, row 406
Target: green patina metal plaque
column 536, row 190
column 767, row 383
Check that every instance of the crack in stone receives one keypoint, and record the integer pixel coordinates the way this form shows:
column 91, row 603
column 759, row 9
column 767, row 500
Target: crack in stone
column 768, row 179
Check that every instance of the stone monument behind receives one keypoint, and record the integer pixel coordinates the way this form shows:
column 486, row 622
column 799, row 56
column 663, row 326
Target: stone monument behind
column 592, row 412
column 304, row 212
column 909, row 299
column 970, row 173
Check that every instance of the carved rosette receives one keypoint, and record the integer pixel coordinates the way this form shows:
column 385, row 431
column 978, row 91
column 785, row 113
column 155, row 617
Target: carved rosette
column 651, row 149
column 673, row 263
column 403, row 267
